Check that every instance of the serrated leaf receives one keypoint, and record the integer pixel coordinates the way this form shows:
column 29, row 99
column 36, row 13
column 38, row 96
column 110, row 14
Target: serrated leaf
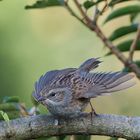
column 8, row 99
column 88, row 4
column 44, row 4
column 123, row 31
column 122, row 12
column 125, row 46
column 5, row 116
column 126, row 69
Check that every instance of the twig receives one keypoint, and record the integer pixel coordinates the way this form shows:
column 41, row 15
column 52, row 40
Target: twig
column 98, row 13
column 44, row 126
column 134, row 44
column 88, row 21
column 95, row 15
column 72, row 12
column 107, row 42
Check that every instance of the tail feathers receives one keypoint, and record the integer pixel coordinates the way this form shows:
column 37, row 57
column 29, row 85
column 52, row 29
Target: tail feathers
column 90, row 64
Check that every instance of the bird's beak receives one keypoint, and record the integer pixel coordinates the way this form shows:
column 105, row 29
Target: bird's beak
column 40, row 99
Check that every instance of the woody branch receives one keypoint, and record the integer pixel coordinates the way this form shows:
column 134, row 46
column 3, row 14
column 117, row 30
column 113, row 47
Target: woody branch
column 44, row 126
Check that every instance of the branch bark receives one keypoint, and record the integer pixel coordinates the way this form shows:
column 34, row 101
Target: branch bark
column 44, row 126
column 134, row 44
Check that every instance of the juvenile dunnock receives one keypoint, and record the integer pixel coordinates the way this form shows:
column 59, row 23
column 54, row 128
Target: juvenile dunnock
column 67, row 92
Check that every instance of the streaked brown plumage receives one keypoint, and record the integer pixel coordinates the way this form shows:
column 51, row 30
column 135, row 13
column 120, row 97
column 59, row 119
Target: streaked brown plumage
column 67, row 92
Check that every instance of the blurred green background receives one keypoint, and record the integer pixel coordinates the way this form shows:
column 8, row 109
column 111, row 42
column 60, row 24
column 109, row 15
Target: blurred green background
column 35, row 41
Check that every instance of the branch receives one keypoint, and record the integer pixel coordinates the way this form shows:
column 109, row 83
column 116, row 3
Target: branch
column 44, row 126
column 95, row 28
column 134, row 68
column 134, row 44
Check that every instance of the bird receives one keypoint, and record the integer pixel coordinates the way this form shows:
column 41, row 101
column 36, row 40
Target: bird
column 67, row 92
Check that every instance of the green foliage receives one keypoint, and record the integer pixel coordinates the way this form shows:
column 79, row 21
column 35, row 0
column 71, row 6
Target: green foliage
column 122, row 31
column 45, row 3
column 125, row 46
column 10, row 108
column 4, row 115
column 132, row 11
column 114, row 2
column 88, row 4
column 133, row 16
column 8, row 99
column 127, row 10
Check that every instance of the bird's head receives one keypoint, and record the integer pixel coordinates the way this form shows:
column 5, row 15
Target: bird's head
column 57, row 96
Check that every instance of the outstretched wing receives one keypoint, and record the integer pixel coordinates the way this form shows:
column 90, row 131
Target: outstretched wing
column 90, row 64
column 98, row 84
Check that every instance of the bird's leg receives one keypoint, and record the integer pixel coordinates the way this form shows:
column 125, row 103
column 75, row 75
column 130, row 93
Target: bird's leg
column 92, row 109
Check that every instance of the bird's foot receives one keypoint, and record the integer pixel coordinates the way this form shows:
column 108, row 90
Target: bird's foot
column 93, row 113
column 56, row 122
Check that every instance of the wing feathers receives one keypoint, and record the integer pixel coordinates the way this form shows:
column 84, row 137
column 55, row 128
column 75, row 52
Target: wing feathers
column 105, row 83
column 120, row 80
column 90, row 64
column 122, row 86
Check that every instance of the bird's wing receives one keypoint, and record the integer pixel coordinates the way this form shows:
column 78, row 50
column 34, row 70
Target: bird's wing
column 89, row 64
column 98, row 84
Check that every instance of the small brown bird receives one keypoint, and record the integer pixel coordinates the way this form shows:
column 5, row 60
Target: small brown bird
column 67, row 92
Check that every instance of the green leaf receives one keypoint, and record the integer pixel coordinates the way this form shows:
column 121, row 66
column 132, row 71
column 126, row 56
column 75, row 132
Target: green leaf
column 4, row 115
column 123, row 31
column 8, row 99
column 125, row 46
column 9, row 106
column 44, row 4
column 88, row 4
column 133, row 16
column 114, row 2
column 126, row 69
column 122, row 12
column 11, row 115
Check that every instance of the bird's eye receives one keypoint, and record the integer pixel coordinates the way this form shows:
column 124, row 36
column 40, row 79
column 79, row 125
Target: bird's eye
column 53, row 94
